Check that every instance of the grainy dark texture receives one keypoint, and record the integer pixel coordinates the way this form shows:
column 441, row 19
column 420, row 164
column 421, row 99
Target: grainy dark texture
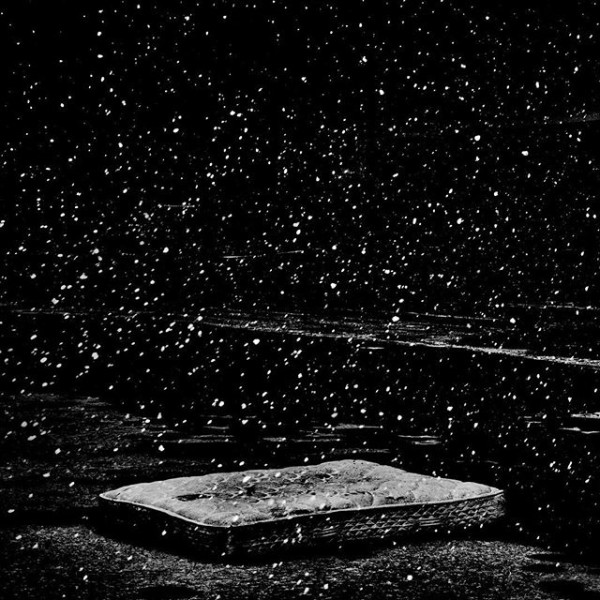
column 73, row 562
column 278, row 231
column 50, row 543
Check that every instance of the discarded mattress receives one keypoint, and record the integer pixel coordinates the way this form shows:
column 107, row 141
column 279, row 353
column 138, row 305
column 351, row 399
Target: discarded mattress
column 269, row 510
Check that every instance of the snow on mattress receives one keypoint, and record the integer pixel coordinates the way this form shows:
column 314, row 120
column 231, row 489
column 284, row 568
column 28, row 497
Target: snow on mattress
column 260, row 496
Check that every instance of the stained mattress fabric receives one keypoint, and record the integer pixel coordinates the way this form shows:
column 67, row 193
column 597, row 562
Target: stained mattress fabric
column 245, row 497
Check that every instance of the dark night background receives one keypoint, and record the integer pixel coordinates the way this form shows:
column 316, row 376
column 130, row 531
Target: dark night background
column 249, row 223
column 417, row 155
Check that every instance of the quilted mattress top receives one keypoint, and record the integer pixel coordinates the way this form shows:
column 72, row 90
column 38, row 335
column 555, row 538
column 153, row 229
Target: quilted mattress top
column 245, row 497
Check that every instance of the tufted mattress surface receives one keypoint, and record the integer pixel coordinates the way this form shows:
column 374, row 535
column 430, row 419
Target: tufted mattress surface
column 247, row 497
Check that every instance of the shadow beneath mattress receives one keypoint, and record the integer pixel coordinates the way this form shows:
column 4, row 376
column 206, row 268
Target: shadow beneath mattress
column 350, row 550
